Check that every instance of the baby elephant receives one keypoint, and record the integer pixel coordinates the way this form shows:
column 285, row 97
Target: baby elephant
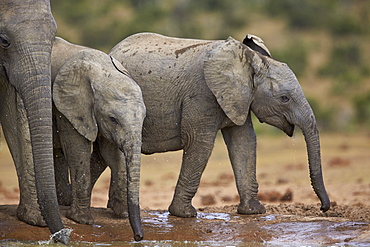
column 96, row 101
column 194, row 88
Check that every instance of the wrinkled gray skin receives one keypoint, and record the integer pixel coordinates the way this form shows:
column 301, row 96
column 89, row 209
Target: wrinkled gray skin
column 193, row 88
column 27, row 30
column 96, row 101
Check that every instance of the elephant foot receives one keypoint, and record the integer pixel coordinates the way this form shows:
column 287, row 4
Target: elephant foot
column 181, row 209
column 30, row 215
column 82, row 216
column 119, row 208
column 252, row 206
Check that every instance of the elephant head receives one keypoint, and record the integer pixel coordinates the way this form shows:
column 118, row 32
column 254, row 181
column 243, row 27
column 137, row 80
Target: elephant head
column 97, row 95
column 27, row 30
column 243, row 80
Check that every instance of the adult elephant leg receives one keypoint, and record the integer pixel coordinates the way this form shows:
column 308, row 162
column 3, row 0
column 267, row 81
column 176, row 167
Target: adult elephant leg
column 241, row 145
column 15, row 127
column 27, row 32
column 194, row 160
column 77, row 150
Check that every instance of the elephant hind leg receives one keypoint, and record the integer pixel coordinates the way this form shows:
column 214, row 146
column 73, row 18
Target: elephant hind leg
column 63, row 186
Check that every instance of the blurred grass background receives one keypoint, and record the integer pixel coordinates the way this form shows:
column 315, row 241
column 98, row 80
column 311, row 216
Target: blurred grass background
column 326, row 43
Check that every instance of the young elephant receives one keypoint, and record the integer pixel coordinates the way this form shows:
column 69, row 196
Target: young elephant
column 96, row 101
column 193, row 88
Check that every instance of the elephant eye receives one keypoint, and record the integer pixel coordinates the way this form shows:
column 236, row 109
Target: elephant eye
column 114, row 120
column 284, row 98
column 4, row 42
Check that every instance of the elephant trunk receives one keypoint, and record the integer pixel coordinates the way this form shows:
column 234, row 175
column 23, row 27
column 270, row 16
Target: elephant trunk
column 132, row 151
column 311, row 135
column 33, row 69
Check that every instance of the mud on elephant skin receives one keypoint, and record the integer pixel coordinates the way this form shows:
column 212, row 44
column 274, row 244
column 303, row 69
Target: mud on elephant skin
column 96, row 100
column 27, row 31
column 193, row 88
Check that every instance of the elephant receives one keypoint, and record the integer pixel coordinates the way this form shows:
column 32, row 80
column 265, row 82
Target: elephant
column 96, row 102
column 27, row 31
column 193, row 88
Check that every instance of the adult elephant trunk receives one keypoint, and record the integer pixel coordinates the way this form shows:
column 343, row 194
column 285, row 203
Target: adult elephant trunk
column 132, row 151
column 27, row 32
column 311, row 134
column 34, row 69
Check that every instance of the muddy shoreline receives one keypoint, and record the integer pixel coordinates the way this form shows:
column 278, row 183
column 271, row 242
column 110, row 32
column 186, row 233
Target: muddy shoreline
column 282, row 223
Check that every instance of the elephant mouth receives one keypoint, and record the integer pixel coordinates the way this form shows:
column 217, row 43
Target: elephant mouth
column 285, row 126
column 289, row 130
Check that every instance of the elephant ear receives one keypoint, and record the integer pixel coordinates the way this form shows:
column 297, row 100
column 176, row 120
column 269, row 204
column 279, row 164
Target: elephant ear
column 119, row 66
column 229, row 76
column 73, row 96
column 256, row 43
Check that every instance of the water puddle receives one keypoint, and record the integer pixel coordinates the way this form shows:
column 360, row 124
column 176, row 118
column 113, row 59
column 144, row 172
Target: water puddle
column 216, row 229
column 319, row 233
column 213, row 216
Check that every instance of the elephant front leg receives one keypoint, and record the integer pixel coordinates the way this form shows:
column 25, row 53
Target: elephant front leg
column 116, row 161
column 241, row 145
column 15, row 127
column 77, row 150
column 194, row 161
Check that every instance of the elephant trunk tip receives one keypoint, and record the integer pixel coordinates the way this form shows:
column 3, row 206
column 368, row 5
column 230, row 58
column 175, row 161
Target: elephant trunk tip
column 324, row 199
column 136, row 227
column 138, row 236
column 325, row 206
column 135, row 219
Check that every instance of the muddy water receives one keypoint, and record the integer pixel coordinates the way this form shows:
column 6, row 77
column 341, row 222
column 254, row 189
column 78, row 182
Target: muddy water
column 207, row 229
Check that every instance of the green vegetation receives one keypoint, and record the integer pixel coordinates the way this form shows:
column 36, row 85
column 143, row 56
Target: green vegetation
column 362, row 106
column 326, row 43
column 347, row 66
column 295, row 55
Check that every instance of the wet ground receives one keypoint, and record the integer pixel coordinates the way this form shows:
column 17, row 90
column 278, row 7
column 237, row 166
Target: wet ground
column 214, row 226
column 293, row 217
